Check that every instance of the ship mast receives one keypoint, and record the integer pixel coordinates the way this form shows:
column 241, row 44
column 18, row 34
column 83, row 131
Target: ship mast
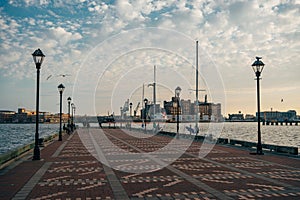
column 154, row 92
column 143, row 94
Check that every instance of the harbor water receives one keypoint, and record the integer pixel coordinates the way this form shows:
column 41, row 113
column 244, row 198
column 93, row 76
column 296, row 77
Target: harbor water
column 16, row 135
column 13, row 136
column 285, row 135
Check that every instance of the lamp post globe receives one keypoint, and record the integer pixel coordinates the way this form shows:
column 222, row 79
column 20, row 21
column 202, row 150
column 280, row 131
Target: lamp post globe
column 61, row 89
column 258, row 67
column 177, row 94
column 38, row 58
column 177, row 91
column 145, row 114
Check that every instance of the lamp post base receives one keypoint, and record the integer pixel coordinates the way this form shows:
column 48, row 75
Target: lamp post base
column 36, row 153
column 259, row 153
column 259, row 150
column 59, row 137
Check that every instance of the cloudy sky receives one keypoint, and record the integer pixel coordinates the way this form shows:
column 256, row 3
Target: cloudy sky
column 104, row 51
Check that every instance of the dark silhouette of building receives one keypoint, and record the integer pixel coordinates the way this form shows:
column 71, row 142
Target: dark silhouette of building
column 206, row 111
column 277, row 116
column 6, row 116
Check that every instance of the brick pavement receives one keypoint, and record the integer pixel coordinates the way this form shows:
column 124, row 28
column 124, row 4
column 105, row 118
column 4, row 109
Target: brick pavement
column 71, row 170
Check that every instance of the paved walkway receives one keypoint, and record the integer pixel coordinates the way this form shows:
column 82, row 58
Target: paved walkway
column 140, row 166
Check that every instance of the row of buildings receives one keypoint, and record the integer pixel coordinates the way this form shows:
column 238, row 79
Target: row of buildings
column 28, row 116
column 266, row 116
column 187, row 110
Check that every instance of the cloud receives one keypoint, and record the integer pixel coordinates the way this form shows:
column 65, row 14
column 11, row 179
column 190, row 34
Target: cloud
column 231, row 32
column 99, row 8
column 64, row 36
column 127, row 12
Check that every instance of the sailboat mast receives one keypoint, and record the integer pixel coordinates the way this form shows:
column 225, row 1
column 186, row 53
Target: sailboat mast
column 154, row 91
column 143, row 95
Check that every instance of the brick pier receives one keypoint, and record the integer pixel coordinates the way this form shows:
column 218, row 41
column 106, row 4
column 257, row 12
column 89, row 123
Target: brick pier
column 139, row 166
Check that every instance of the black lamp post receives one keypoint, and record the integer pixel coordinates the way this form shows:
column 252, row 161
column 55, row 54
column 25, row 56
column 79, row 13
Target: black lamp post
column 121, row 116
column 72, row 117
column 177, row 94
column 258, row 67
column 69, row 102
column 38, row 58
column 130, row 106
column 145, row 114
column 61, row 89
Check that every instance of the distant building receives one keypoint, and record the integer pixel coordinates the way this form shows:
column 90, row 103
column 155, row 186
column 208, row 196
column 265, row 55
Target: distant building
column 171, row 109
column 188, row 110
column 168, row 106
column 186, row 107
column 236, row 117
column 210, row 111
column 23, row 116
column 28, row 116
column 249, row 117
column 6, row 116
column 277, row 116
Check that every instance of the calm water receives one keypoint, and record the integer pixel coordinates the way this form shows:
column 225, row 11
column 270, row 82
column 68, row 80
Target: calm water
column 15, row 135
column 279, row 135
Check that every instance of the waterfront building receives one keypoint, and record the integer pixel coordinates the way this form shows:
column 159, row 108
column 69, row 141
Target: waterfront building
column 171, row 110
column 6, row 116
column 210, row 111
column 249, row 117
column 206, row 111
column 24, row 116
column 277, row 116
column 186, row 107
column 236, row 117
column 168, row 106
column 27, row 116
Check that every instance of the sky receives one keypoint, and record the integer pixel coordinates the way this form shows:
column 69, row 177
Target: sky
column 105, row 51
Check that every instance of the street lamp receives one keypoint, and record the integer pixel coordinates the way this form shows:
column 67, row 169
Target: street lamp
column 258, row 67
column 130, row 106
column 69, row 102
column 72, row 117
column 61, row 89
column 145, row 114
column 121, row 116
column 38, row 58
column 177, row 94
